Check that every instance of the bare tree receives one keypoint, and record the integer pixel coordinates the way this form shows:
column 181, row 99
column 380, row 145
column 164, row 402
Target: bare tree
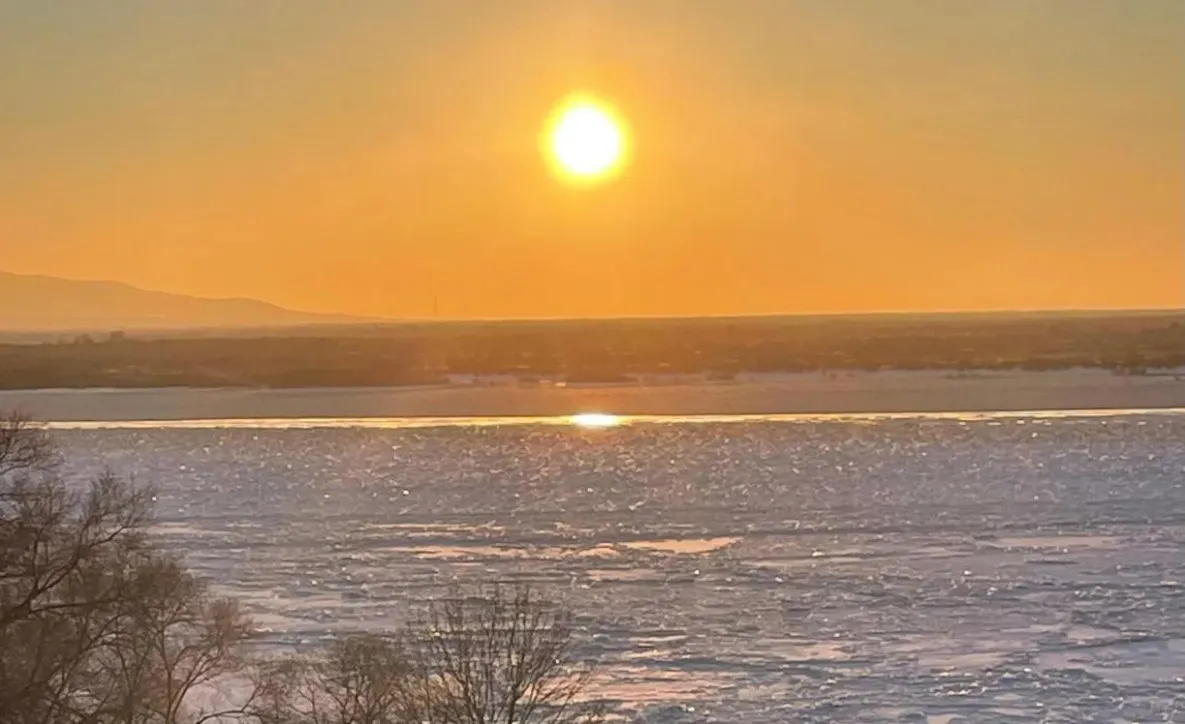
column 494, row 657
column 62, row 561
column 175, row 639
column 359, row 680
column 97, row 626
column 498, row 657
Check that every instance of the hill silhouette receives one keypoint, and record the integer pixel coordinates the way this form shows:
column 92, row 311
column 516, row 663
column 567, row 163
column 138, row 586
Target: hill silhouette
column 41, row 303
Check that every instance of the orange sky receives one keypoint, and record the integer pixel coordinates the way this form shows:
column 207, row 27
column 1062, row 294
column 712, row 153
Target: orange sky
column 789, row 155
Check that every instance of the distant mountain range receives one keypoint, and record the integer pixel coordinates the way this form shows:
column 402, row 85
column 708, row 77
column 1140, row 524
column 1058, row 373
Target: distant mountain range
column 30, row 303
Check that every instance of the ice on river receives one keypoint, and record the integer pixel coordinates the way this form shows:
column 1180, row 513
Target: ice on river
column 884, row 569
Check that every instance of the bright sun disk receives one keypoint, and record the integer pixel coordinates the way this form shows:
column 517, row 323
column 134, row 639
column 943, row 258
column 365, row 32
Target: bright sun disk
column 585, row 141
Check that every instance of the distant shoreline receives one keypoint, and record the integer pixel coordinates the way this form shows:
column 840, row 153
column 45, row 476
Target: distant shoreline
column 804, row 393
column 604, row 352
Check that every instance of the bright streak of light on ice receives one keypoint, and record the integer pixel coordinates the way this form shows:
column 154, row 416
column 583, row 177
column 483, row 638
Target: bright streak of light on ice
column 596, row 420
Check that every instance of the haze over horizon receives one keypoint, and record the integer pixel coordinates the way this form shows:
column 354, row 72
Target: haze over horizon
column 787, row 156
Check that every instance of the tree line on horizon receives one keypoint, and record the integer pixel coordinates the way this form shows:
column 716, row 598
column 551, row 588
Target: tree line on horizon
column 600, row 352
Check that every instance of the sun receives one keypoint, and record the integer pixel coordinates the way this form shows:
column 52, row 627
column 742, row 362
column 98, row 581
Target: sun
column 585, row 140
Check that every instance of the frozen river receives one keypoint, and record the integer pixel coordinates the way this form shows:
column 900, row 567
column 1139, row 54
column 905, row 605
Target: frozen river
column 943, row 569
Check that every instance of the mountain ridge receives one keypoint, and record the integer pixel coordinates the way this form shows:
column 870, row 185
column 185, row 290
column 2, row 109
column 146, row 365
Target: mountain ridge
column 36, row 302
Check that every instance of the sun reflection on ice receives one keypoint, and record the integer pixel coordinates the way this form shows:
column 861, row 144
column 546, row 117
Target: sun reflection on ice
column 595, row 420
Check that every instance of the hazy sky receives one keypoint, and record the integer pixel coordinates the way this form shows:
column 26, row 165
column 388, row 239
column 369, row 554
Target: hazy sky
column 790, row 155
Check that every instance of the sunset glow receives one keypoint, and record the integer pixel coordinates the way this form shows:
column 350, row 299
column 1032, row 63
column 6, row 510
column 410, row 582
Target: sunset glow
column 547, row 160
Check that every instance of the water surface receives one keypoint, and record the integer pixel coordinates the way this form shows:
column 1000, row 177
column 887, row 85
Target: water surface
column 994, row 568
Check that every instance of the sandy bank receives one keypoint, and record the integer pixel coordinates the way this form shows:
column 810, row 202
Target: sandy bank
column 805, row 393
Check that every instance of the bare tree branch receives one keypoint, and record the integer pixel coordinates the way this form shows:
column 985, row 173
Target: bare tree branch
column 24, row 447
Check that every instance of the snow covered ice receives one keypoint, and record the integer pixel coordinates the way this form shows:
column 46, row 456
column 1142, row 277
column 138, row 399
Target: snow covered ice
column 938, row 569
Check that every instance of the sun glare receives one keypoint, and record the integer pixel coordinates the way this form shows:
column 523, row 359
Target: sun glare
column 595, row 420
column 585, row 140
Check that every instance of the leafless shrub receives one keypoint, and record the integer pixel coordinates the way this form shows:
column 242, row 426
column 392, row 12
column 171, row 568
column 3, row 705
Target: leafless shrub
column 500, row 656
column 359, row 680
column 495, row 657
